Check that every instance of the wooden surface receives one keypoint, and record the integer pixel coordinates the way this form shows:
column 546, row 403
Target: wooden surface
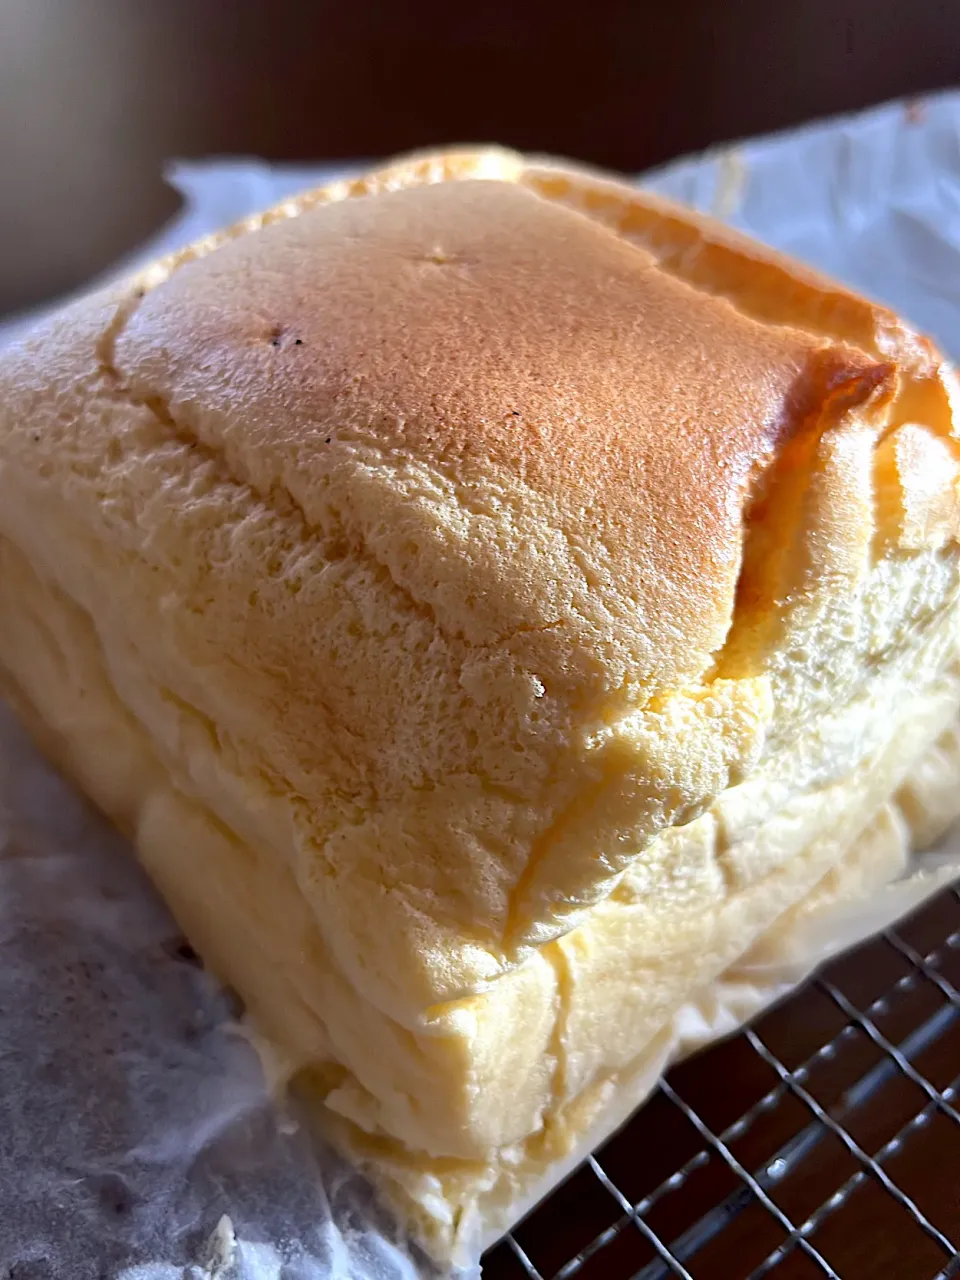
column 96, row 94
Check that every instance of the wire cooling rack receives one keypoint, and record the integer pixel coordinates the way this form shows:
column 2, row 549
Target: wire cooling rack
column 823, row 1141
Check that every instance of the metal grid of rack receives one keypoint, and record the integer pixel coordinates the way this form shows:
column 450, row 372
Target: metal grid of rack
column 822, row 1141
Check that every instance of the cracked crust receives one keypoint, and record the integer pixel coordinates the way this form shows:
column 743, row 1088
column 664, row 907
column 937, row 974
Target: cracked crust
column 516, row 573
column 523, row 391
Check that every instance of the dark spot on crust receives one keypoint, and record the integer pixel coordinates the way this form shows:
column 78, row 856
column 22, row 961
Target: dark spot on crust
column 277, row 335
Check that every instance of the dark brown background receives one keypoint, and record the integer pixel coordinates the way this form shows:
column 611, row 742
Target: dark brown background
column 96, row 94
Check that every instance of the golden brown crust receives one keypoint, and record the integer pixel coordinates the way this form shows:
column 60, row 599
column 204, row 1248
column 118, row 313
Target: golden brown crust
column 524, row 356
column 724, row 262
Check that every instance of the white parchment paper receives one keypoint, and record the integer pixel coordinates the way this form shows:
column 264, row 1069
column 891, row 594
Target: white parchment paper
column 137, row 1139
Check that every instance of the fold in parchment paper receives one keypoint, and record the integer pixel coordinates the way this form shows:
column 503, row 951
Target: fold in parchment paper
column 137, row 1139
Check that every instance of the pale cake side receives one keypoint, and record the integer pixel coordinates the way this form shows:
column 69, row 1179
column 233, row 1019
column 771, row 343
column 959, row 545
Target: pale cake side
column 483, row 620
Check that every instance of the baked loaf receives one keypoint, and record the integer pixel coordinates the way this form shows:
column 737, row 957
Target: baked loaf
column 495, row 601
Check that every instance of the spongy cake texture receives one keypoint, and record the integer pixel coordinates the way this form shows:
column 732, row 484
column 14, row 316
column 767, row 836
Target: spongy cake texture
column 491, row 599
